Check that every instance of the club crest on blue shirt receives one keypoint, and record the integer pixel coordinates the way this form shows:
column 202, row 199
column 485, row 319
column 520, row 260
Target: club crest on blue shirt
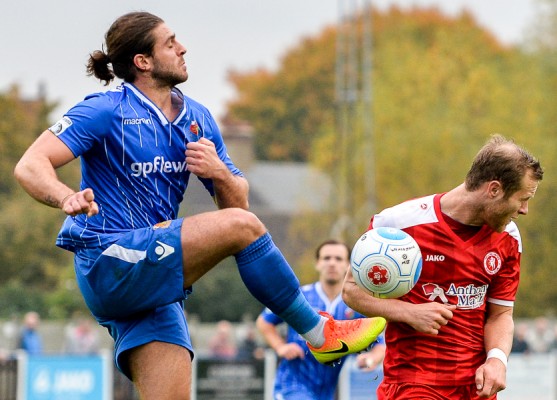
column 193, row 133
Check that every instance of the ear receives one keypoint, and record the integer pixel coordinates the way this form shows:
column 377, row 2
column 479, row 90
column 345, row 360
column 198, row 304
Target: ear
column 142, row 62
column 495, row 189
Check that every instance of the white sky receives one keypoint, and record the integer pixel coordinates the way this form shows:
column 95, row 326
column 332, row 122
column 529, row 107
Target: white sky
column 49, row 41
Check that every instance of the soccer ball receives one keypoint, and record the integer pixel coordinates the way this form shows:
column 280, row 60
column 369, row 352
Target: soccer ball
column 386, row 262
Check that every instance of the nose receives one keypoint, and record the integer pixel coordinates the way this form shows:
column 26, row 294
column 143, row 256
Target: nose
column 181, row 49
column 523, row 210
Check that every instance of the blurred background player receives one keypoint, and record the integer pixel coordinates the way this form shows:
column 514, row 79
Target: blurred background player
column 450, row 337
column 299, row 376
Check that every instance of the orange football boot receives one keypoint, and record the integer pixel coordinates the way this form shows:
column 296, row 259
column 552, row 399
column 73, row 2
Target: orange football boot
column 346, row 337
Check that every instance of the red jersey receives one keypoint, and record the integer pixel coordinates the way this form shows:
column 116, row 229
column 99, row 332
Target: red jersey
column 468, row 273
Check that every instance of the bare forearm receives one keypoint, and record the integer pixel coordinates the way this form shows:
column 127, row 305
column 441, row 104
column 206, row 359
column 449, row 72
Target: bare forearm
column 498, row 332
column 38, row 178
column 232, row 191
column 36, row 170
column 360, row 301
column 426, row 317
column 270, row 334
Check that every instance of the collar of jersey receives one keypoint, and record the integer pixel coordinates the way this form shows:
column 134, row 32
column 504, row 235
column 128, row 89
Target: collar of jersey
column 156, row 109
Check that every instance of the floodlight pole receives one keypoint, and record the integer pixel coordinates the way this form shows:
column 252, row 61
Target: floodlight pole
column 367, row 110
column 354, row 111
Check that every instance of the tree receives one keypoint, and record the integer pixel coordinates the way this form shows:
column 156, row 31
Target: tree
column 288, row 107
column 439, row 83
column 537, row 295
column 441, row 86
column 31, row 264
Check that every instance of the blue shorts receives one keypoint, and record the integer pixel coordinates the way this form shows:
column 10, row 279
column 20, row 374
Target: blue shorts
column 300, row 393
column 135, row 288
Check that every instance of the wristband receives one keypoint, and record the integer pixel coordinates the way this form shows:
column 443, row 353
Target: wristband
column 499, row 354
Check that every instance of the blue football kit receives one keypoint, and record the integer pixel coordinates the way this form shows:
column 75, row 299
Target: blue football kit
column 307, row 379
column 134, row 160
column 128, row 257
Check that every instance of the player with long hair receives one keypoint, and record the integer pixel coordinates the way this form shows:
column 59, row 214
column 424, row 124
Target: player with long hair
column 135, row 260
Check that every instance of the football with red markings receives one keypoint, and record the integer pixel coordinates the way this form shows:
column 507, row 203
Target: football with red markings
column 386, row 262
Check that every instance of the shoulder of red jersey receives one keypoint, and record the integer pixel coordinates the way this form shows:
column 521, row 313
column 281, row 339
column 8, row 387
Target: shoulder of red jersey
column 512, row 230
column 409, row 213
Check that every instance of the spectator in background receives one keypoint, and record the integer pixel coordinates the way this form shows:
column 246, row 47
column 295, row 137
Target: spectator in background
column 554, row 342
column 11, row 332
column 222, row 344
column 520, row 342
column 249, row 348
column 540, row 337
column 5, row 355
column 82, row 338
column 30, row 340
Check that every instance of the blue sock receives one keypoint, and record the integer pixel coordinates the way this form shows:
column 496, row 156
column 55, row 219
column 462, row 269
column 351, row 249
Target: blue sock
column 270, row 280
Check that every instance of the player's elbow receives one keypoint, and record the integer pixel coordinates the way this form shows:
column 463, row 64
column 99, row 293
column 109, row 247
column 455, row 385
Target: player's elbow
column 21, row 171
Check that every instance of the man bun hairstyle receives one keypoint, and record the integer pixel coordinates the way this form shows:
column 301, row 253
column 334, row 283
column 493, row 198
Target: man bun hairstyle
column 129, row 35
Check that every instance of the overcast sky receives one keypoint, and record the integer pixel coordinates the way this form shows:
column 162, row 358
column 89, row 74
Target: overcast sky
column 49, row 41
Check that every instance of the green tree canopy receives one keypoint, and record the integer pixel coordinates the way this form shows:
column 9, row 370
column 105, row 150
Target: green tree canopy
column 441, row 86
column 31, row 265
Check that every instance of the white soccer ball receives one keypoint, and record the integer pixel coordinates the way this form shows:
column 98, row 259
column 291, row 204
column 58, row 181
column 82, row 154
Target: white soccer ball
column 386, row 262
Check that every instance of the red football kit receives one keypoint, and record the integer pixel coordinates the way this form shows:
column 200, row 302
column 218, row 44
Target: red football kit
column 468, row 269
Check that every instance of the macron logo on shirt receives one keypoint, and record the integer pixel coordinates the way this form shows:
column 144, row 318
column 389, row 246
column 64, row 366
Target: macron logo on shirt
column 159, row 164
column 137, row 121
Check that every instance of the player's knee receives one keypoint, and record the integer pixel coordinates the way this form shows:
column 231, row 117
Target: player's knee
column 245, row 223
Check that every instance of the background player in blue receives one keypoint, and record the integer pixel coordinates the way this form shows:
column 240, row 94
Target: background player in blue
column 135, row 260
column 299, row 376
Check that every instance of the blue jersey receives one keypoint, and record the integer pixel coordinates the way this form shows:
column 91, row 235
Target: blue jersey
column 133, row 158
column 31, row 342
column 301, row 376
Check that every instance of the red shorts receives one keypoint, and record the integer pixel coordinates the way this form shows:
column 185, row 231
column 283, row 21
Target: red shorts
column 413, row 391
